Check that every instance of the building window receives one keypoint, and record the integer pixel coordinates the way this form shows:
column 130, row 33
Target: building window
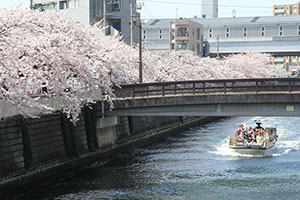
column 181, row 46
column 198, row 34
column 262, row 31
column 63, row 5
column 144, row 34
column 280, row 30
column 160, row 34
column 210, row 33
column 245, row 31
column 299, row 30
column 116, row 5
column 227, row 32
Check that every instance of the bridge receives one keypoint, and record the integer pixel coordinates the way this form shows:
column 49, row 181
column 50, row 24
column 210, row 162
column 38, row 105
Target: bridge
column 230, row 97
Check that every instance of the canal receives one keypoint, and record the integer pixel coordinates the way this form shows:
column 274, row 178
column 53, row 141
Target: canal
column 194, row 164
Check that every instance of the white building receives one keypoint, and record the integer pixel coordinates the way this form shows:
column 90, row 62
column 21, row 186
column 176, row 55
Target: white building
column 163, row 35
column 117, row 14
column 209, row 8
column 157, row 35
column 277, row 35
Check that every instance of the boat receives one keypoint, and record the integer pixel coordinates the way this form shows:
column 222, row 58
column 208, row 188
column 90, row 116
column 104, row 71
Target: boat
column 257, row 141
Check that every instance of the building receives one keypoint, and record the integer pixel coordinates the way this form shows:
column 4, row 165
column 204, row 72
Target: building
column 288, row 9
column 188, row 36
column 209, row 8
column 277, row 35
column 163, row 35
column 118, row 15
column 158, row 34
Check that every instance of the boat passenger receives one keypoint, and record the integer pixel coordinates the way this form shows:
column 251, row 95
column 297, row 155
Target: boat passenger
column 240, row 129
column 249, row 137
column 265, row 139
column 250, row 130
column 259, row 140
column 254, row 136
column 269, row 133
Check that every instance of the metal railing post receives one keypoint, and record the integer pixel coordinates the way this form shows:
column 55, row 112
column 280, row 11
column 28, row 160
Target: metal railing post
column 224, row 87
column 256, row 86
column 147, row 90
column 194, row 89
column 133, row 92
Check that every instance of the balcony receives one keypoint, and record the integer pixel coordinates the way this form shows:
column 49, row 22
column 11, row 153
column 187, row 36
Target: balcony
column 182, row 33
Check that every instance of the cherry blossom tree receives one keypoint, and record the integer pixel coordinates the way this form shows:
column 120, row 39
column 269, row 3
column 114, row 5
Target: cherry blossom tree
column 50, row 52
column 184, row 65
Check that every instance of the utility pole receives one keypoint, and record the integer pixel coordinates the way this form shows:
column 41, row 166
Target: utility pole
column 57, row 5
column 140, row 53
column 131, row 23
column 104, row 16
column 218, row 45
column 31, row 4
column 170, row 35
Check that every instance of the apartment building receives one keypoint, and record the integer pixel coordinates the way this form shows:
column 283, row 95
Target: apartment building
column 120, row 16
column 277, row 35
column 281, row 10
column 288, row 9
column 188, row 36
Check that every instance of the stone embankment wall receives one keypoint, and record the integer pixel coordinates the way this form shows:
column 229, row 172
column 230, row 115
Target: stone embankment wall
column 34, row 150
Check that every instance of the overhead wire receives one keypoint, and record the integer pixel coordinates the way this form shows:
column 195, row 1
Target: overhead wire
column 201, row 4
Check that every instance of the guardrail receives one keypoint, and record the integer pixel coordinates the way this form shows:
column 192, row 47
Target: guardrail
column 208, row 86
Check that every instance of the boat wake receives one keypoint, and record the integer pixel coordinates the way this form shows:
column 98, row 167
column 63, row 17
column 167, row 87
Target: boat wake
column 286, row 146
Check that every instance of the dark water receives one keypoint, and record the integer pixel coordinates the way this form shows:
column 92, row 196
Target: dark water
column 195, row 164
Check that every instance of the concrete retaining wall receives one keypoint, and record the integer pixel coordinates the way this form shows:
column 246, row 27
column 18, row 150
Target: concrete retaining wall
column 32, row 150
column 11, row 148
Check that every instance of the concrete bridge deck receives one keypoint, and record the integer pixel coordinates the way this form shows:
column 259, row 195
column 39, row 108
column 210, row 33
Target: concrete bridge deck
column 210, row 104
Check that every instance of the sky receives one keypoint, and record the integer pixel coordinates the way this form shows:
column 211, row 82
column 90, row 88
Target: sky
column 152, row 9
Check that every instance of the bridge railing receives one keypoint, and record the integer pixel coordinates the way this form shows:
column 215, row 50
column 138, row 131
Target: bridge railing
column 209, row 86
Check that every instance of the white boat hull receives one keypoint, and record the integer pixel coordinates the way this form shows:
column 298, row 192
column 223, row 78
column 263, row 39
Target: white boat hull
column 250, row 151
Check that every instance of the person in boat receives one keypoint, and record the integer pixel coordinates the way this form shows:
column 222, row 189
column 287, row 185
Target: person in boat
column 265, row 138
column 240, row 133
column 258, row 126
column 254, row 136
column 240, row 129
column 259, row 138
column 250, row 130
column 248, row 137
column 269, row 133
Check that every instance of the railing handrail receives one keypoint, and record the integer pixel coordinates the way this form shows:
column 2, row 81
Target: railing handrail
column 210, row 81
column 205, row 86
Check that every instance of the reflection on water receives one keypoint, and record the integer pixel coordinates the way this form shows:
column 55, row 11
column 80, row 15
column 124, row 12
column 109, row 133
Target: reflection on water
column 196, row 164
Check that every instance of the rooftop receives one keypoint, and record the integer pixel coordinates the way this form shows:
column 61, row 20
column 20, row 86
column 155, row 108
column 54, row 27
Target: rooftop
column 248, row 20
column 229, row 20
column 158, row 22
